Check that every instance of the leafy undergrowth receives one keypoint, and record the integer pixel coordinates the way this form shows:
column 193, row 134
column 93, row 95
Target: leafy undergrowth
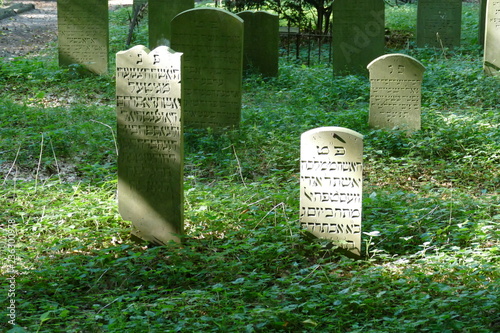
column 431, row 208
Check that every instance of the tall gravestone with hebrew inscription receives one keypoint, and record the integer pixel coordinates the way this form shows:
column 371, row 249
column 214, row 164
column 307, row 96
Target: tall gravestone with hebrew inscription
column 395, row 92
column 439, row 23
column 331, row 179
column 83, row 34
column 357, row 34
column 261, row 42
column 211, row 41
column 150, row 142
column 492, row 39
column 161, row 13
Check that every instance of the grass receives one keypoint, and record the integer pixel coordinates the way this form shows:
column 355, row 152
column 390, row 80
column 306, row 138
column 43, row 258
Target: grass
column 431, row 208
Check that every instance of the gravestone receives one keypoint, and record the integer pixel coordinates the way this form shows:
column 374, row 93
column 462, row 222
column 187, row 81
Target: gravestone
column 161, row 13
column 211, row 41
column 439, row 23
column 358, row 34
column 492, row 39
column 83, row 34
column 395, row 92
column 482, row 22
column 261, row 42
column 331, row 179
column 150, row 142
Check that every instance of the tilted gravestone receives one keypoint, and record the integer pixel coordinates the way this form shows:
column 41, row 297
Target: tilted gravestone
column 261, row 42
column 395, row 92
column 358, row 34
column 161, row 13
column 492, row 39
column 439, row 23
column 83, row 34
column 211, row 41
column 150, row 142
column 331, row 179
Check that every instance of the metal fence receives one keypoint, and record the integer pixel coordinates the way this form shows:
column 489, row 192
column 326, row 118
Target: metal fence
column 305, row 48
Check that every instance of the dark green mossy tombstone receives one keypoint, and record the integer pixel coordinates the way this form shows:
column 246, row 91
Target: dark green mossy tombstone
column 492, row 39
column 357, row 34
column 161, row 13
column 83, row 34
column 331, row 185
column 482, row 22
column 150, row 142
column 211, row 41
column 261, row 42
column 439, row 23
column 395, row 92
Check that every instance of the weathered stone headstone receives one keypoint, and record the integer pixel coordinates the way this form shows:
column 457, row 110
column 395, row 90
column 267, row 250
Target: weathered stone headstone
column 492, row 39
column 357, row 34
column 83, row 34
column 261, row 42
column 331, row 179
column 150, row 142
column 161, row 13
column 211, row 41
column 395, row 92
column 439, row 23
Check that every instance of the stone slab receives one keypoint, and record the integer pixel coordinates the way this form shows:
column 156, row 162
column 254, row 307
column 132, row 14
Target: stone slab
column 395, row 92
column 83, row 34
column 261, row 42
column 358, row 34
column 439, row 23
column 331, row 183
column 492, row 39
column 150, row 142
column 161, row 13
column 211, row 41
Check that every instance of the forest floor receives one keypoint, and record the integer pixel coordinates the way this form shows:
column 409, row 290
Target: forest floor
column 29, row 32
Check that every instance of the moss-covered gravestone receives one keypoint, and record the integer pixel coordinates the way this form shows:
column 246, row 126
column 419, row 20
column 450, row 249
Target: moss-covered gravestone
column 150, row 142
column 395, row 92
column 331, row 179
column 161, row 13
column 439, row 23
column 261, row 42
column 482, row 22
column 492, row 39
column 83, row 34
column 357, row 34
column 211, row 41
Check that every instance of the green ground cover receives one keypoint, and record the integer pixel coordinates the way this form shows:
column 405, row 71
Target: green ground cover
column 431, row 207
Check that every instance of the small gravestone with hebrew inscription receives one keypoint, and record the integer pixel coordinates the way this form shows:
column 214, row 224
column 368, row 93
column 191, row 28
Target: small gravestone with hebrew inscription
column 439, row 23
column 395, row 92
column 83, row 34
column 150, row 142
column 492, row 39
column 358, row 34
column 331, row 179
column 211, row 41
column 261, row 42
column 161, row 13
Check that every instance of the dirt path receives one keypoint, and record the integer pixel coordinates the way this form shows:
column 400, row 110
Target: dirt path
column 31, row 31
